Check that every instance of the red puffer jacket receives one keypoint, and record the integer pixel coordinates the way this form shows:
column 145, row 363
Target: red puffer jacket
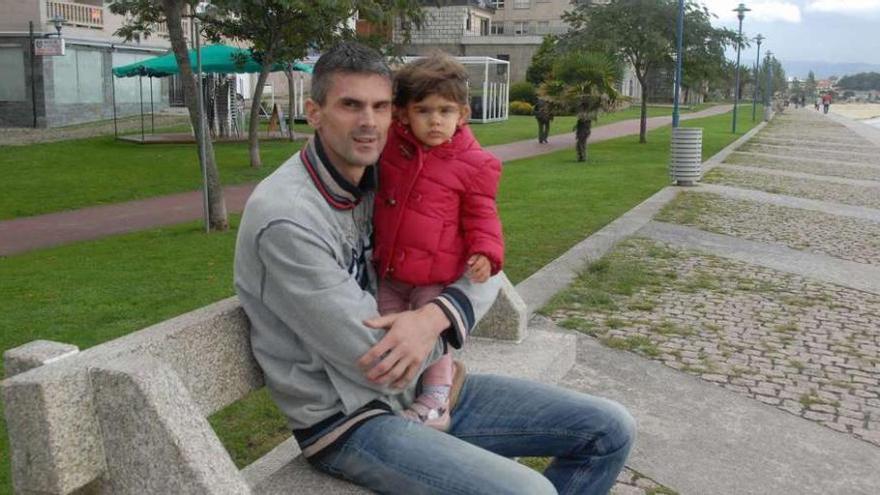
column 435, row 208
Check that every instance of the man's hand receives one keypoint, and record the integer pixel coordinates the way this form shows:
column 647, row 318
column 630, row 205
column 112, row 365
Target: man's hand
column 479, row 268
column 398, row 357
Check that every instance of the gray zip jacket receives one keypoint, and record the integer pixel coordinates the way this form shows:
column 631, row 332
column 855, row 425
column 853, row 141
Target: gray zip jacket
column 303, row 275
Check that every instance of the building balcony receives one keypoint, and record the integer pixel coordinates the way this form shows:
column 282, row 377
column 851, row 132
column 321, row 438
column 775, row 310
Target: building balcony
column 76, row 14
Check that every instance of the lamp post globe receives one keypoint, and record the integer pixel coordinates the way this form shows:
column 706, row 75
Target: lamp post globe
column 58, row 22
column 740, row 14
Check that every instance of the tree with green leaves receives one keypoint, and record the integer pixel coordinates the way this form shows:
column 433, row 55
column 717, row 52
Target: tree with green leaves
column 810, row 86
column 583, row 83
column 643, row 33
column 142, row 19
column 542, row 61
column 284, row 30
column 863, row 81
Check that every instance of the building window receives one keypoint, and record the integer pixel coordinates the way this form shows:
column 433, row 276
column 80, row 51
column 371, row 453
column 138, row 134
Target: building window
column 12, row 84
column 497, row 28
column 543, row 27
column 78, row 77
column 521, row 27
column 522, row 4
column 500, row 69
column 498, row 4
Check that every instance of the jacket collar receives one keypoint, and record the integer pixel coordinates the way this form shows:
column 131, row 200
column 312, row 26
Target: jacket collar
column 336, row 189
column 461, row 140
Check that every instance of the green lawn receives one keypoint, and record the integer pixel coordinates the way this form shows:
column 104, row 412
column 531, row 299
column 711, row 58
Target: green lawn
column 64, row 175
column 521, row 127
column 91, row 292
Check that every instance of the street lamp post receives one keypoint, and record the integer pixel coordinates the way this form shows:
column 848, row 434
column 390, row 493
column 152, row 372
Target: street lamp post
column 768, row 95
column 758, row 39
column 200, row 105
column 678, row 61
column 57, row 21
column 740, row 14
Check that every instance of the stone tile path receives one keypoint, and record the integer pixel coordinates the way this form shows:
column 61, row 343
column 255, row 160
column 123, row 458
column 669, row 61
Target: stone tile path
column 764, row 282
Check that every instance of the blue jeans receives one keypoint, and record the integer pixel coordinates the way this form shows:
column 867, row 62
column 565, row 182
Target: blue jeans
column 496, row 418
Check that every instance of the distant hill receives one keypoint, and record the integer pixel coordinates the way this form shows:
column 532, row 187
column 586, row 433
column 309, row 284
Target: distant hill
column 800, row 68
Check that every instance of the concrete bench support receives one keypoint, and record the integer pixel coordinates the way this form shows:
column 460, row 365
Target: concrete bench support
column 145, row 412
column 129, row 415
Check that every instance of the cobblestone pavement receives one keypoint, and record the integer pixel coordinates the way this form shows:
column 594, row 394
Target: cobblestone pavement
column 817, row 232
column 807, row 166
column 859, row 146
column 825, row 152
column 630, row 482
column 809, row 348
column 805, row 188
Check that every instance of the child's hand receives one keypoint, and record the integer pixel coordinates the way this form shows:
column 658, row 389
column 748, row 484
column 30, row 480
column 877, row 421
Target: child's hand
column 479, row 268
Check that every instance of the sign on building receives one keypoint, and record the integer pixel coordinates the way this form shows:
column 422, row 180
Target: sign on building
column 49, row 47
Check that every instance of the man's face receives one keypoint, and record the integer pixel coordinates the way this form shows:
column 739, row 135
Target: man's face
column 353, row 121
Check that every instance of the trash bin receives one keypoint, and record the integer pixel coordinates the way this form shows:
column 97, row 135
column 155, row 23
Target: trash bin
column 686, row 155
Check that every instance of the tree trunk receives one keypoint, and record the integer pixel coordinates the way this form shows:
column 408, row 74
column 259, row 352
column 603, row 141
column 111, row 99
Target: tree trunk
column 217, row 219
column 291, row 105
column 643, row 118
column 254, row 125
column 583, row 130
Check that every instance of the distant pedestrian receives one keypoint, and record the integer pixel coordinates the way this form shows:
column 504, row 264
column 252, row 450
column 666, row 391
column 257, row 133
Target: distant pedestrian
column 544, row 115
column 826, row 102
column 818, row 102
column 803, row 101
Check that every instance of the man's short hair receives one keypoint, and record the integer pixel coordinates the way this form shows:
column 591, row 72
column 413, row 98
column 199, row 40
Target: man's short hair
column 346, row 57
column 437, row 74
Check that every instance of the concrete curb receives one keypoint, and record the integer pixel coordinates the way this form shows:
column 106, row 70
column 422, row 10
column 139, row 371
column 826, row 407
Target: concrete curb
column 722, row 155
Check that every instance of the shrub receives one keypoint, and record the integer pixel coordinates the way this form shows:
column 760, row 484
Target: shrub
column 523, row 91
column 521, row 108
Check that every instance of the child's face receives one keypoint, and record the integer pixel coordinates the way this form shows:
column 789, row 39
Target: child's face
column 433, row 120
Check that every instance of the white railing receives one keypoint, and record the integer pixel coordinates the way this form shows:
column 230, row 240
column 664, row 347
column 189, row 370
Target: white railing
column 76, row 14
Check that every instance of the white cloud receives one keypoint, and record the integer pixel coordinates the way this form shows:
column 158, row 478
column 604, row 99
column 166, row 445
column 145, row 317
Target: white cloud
column 762, row 10
column 844, row 6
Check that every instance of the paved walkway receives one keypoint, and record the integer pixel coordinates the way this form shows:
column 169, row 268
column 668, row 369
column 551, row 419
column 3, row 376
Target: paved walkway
column 753, row 335
column 29, row 233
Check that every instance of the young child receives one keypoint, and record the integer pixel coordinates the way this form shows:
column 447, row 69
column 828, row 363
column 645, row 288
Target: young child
column 435, row 213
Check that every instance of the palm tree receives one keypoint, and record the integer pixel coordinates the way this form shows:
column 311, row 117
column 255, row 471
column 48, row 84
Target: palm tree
column 583, row 83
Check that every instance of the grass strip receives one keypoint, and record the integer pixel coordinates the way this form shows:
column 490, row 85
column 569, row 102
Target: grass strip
column 64, row 175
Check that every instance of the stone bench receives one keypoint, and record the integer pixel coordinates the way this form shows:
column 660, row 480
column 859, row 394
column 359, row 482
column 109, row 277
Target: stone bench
column 130, row 415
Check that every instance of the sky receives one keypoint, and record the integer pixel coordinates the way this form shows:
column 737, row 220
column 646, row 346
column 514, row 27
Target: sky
column 815, row 30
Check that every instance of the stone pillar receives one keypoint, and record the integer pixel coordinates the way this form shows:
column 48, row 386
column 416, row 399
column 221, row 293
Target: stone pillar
column 507, row 319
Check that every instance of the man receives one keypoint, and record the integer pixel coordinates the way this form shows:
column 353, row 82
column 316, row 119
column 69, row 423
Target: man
column 826, row 102
column 544, row 115
column 339, row 372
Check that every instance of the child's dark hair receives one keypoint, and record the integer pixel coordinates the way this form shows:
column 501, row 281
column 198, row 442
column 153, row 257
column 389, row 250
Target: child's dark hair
column 437, row 74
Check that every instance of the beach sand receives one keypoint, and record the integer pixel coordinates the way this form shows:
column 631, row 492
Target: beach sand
column 856, row 110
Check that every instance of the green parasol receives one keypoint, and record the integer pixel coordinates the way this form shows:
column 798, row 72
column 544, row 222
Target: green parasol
column 221, row 59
